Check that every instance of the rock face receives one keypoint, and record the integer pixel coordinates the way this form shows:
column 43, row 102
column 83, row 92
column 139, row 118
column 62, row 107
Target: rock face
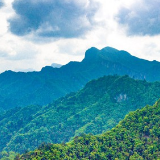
column 121, row 97
column 21, row 89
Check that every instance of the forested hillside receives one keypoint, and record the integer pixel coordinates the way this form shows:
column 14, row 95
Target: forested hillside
column 137, row 137
column 96, row 108
column 40, row 88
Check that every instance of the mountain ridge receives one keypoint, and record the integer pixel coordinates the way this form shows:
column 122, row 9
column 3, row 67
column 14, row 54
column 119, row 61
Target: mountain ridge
column 18, row 89
column 96, row 108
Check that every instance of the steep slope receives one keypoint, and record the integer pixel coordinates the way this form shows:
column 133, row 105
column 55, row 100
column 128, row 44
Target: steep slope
column 21, row 89
column 137, row 137
column 98, row 107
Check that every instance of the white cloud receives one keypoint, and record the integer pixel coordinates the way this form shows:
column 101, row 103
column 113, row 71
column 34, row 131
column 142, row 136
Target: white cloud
column 142, row 18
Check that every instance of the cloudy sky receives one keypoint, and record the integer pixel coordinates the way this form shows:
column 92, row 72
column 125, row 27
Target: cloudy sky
column 36, row 33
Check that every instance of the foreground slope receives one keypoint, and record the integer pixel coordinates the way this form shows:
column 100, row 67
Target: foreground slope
column 22, row 89
column 98, row 107
column 137, row 137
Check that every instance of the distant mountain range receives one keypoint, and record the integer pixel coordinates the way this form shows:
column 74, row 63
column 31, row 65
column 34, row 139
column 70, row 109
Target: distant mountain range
column 40, row 88
column 96, row 108
column 56, row 65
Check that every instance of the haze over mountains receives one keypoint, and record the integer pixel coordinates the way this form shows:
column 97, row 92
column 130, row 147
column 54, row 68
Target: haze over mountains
column 40, row 88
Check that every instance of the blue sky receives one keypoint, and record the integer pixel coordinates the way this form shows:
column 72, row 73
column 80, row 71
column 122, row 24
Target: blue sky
column 36, row 33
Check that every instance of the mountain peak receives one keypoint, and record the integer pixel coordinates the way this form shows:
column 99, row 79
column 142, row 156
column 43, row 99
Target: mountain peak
column 107, row 53
column 91, row 53
column 56, row 65
column 109, row 49
column 47, row 69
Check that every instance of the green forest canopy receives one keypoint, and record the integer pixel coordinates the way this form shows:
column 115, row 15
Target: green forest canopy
column 137, row 137
column 98, row 107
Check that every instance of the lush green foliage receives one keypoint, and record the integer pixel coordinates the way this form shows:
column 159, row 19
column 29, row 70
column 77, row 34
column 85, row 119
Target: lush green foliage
column 40, row 88
column 8, row 155
column 137, row 137
column 98, row 107
column 13, row 120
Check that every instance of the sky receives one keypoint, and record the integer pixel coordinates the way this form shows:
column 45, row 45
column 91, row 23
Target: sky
column 37, row 33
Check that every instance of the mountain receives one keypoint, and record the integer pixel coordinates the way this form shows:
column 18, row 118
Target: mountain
column 137, row 137
column 18, row 89
column 96, row 108
column 55, row 65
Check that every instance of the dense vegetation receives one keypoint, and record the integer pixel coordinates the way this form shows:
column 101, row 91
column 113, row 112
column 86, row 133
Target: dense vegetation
column 137, row 137
column 96, row 108
column 40, row 88
column 8, row 155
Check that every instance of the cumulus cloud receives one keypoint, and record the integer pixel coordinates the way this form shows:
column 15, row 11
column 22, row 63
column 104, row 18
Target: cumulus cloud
column 142, row 18
column 52, row 18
